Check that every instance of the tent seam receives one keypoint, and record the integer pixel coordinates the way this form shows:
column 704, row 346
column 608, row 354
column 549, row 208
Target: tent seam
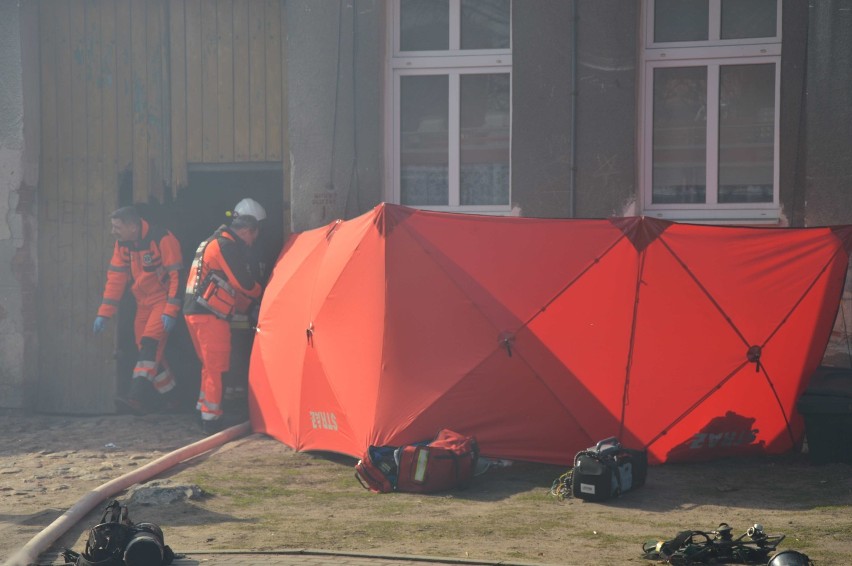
column 802, row 298
column 562, row 291
column 705, row 291
column 698, row 403
column 416, row 236
column 778, row 403
column 625, row 392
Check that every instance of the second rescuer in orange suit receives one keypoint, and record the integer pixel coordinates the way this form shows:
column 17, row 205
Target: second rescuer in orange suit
column 220, row 284
column 149, row 258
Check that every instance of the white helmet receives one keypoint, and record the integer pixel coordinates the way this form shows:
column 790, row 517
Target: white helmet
column 249, row 207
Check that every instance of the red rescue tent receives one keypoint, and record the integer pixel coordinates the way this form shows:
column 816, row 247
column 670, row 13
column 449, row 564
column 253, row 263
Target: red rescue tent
column 542, row 336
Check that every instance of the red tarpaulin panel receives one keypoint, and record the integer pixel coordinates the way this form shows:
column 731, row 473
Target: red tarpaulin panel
column 541, row 337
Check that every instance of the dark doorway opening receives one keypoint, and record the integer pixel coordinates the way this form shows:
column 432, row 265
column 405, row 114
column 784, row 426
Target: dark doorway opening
column 198, row 210
column 203, row 205
column 192, row 216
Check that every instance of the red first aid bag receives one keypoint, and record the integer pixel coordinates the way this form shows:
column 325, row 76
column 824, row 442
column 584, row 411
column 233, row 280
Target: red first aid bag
column 376, row 471
column 448, row 461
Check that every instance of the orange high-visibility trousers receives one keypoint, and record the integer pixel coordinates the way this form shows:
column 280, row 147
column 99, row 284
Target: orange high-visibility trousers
column 211, row 337
column 150, row 334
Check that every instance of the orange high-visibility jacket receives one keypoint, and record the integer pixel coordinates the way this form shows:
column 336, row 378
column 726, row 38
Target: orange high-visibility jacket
column 152, row 264
column 226, row 254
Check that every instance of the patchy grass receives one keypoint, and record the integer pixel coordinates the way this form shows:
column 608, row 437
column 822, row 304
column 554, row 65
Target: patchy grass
column 263, row 496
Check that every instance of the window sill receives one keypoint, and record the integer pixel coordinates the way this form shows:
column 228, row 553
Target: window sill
column 482, row 210
column 769, row 216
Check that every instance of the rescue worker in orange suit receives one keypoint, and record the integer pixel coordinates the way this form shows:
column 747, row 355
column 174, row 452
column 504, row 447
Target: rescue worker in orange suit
column 149, row 258
column 220, row 285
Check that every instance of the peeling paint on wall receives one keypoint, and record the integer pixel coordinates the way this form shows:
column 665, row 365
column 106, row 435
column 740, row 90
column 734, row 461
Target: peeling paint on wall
column 10, row 179
column 334, row 101
column 628, row 208
column 11, row 93
column 17, row 267
column 11, row 115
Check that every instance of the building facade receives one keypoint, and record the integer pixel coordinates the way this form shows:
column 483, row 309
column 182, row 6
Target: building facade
column 713, row 111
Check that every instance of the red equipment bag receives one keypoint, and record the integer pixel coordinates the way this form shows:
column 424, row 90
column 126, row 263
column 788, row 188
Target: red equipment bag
column 375, row 471
column 446, row 462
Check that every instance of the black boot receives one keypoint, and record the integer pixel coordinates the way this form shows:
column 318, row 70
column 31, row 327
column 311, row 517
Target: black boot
column 168, row 403
column 211, row 427
column 138, row 399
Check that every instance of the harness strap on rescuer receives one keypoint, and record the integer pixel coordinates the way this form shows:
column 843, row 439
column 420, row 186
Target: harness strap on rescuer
column 213, row 292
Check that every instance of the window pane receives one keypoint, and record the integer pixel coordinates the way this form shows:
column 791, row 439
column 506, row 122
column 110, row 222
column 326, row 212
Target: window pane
column 484, row 139
column 746, row 133
column 424, row 115
column 680, row 20
column 680, row 135
column 485, row 24
column 748, row 18
column 424, row 25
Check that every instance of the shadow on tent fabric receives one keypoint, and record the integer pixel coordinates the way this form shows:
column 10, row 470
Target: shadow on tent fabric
column 728, row 435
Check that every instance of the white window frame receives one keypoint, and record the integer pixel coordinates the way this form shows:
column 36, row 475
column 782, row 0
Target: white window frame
column 453, row 63
column 711, row 54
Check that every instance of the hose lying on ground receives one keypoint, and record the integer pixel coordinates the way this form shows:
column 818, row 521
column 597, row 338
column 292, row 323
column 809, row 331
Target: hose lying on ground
column 29, row 553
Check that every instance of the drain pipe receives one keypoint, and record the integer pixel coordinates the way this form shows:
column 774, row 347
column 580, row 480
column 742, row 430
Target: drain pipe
column 30, row 552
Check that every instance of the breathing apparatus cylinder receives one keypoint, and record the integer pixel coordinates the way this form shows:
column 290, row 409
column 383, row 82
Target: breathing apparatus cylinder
column 146, row 546
column 790, row 558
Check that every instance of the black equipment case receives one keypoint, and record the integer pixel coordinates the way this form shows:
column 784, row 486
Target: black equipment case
column 607, row 470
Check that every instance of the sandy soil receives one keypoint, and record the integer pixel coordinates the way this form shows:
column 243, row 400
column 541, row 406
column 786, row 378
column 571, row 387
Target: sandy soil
column 261, row 495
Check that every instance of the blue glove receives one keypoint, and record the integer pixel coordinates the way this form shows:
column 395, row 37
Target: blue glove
column 168, row 322
column 100, row 324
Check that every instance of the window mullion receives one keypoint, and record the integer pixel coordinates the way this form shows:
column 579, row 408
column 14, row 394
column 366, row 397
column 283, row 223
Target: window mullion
column 397, row 27
column 648, row 21
column 397, row 140
column 455, row 25
column 780, row 11
column 712, row 134
column 715, row 20
column 453, row 131
column 647, row 165
column 776, row 153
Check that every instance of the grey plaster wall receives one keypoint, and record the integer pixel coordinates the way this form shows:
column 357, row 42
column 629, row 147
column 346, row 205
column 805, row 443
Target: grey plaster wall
column 828, row 184
column 542, row 92
column 793, row 144
column 334, row 82
column 606, row 108
column 577, row 161
column 336, row 111
column 18, row 178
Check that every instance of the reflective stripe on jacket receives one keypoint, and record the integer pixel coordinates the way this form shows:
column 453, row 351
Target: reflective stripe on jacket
column 152, row 264
column 227, row 255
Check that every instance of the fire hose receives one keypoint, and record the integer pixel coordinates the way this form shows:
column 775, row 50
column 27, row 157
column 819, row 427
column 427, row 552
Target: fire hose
column 29, row 553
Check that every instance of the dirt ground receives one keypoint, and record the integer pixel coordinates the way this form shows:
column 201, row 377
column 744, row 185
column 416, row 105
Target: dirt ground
column 260, row 495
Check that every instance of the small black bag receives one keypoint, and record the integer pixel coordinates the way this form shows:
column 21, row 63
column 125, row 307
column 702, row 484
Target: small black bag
column 116, row 541
column 607, row 470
